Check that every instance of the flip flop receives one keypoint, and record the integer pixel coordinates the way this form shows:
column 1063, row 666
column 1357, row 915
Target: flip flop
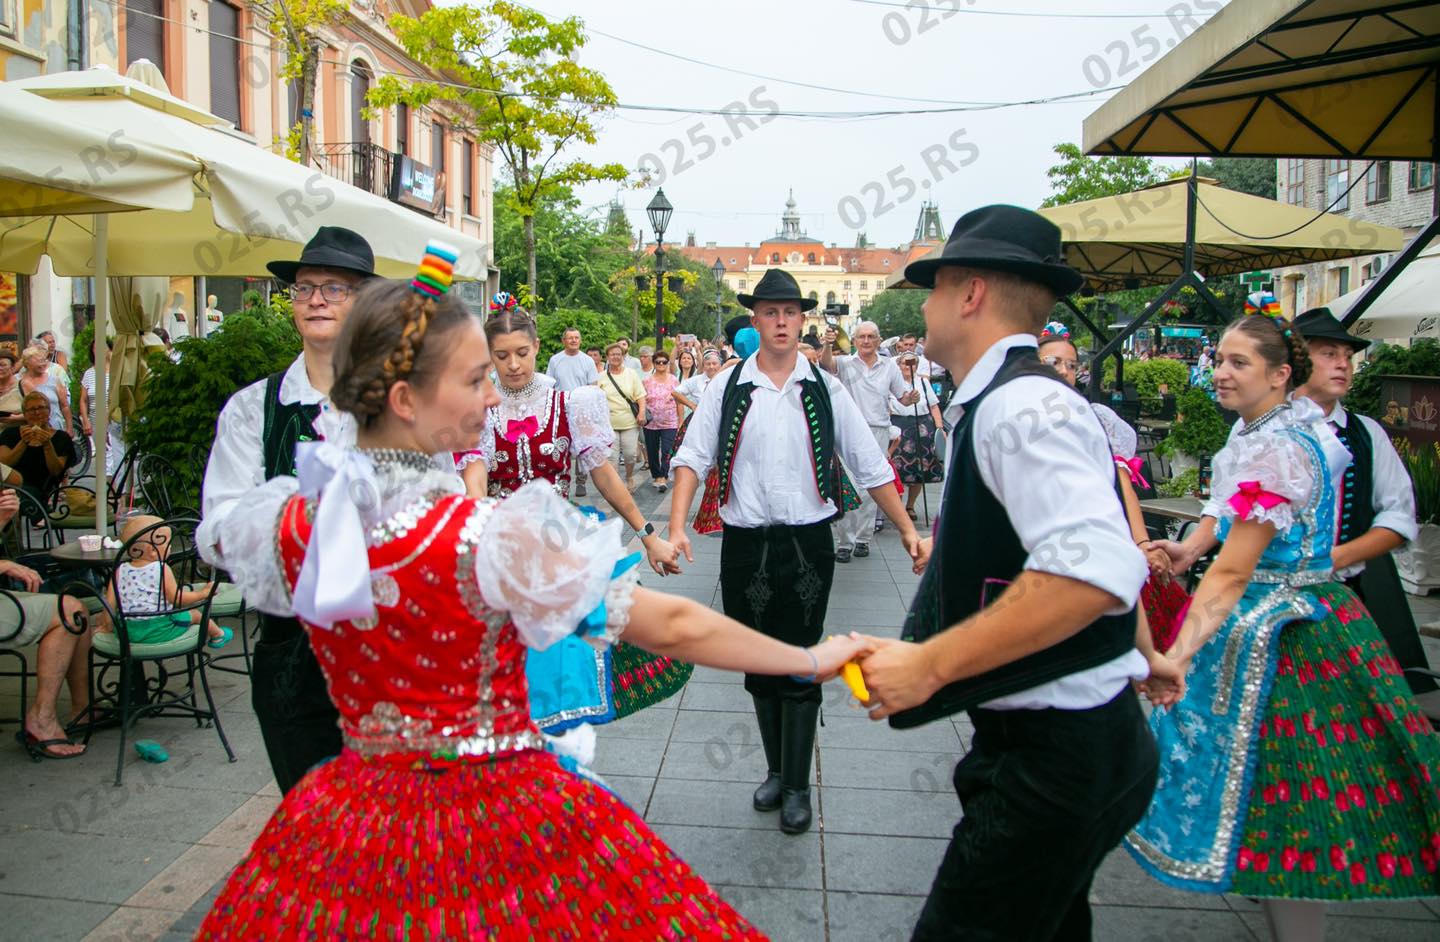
column 151, row 751
column 225, row 635
column 40, row 748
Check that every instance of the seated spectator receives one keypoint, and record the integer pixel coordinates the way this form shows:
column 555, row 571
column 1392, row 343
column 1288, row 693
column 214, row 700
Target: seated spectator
column 149, row 592
column 38, row 452
column 61, row 654
column 12, row 408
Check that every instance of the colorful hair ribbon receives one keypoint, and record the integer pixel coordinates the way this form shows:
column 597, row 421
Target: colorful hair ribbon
column 1056, row 330
column 502, row 301
column 437, row 270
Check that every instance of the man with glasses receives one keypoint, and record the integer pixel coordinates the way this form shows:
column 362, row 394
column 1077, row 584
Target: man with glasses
column 773, row 426
column 255, row 441
column 871, row 380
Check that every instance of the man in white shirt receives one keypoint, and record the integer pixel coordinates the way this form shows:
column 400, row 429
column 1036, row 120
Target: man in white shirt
column 255, row 440
column 630, row 362
column 871, row 380
column 1375, row 499
column 571, row 369
column 1025, row 615
column 773, row 426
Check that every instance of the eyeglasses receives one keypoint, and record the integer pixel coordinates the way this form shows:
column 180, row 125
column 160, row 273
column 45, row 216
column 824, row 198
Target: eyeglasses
column 1068, row 366
column 331, row 291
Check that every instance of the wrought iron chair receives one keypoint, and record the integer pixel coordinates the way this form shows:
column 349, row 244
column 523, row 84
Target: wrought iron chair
column 172, row 540
column 8, row 601
column 31, row 535
column 163, row 488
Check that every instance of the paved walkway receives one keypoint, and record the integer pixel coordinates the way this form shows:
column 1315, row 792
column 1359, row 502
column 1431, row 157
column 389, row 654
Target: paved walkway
column 80, row 859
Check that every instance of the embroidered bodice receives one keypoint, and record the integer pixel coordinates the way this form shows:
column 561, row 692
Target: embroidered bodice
column 460, row 588
column 1281, row 470
column 536, row 432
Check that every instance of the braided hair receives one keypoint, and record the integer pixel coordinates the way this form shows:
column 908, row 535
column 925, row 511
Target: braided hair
column 391, row 334
column 514, row 320
column 1278, row 343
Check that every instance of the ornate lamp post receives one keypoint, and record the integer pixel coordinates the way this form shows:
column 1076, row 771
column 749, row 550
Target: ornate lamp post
column 659, row 212
column 718, row 270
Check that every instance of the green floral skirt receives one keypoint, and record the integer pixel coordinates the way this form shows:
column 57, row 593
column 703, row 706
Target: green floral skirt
column 1345, row 800
column 642, row 679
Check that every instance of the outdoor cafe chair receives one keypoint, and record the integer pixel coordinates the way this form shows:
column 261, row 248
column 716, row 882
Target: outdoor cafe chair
column 117, row 663
column 8, row 649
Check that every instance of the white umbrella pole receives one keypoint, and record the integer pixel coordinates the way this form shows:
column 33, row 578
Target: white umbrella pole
column 102, row 374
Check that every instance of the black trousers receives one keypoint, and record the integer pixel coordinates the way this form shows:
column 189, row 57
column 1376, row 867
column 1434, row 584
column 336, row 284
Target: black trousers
column 659, row 447
column 298, row 722
column 777, row 580
column 1046, row 794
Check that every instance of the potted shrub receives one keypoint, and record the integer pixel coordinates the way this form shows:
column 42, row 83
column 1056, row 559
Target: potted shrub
column 1199, row 431
column 1419, row 560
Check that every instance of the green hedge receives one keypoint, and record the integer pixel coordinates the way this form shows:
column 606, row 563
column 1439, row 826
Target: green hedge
column 596, row 330
column 1421, row 358
column 1199, row 430
column 1147, row 375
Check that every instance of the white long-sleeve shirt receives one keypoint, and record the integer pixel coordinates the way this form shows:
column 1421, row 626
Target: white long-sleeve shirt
column 872, row 385
column 773, row 478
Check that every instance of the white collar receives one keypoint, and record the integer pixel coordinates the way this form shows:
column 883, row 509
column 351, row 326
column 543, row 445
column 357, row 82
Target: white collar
column 989, row 364
column 750, row 373
column 1338, row 415
column 296, row 386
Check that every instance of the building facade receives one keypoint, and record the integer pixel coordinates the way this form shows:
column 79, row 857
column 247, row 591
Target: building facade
column 1395, row 193
column 220, row 56
column 848, row 278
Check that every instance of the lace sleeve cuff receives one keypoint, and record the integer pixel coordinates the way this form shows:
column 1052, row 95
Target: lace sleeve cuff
column 1251, row 502
column 608, row 621
column 591, row 436
column 250, row 540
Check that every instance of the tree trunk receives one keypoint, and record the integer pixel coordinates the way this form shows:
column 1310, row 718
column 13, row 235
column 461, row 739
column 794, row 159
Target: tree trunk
column 529, row 221
column 309, row 72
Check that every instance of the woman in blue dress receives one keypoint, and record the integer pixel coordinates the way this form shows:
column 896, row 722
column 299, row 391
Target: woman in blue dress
column 1297, row 769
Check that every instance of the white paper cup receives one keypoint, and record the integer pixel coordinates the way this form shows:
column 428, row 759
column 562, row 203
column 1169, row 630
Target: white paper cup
column 91, row 542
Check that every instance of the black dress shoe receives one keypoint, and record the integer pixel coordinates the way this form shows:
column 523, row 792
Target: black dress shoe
column 842, row 555
column 862, row 550
column 795, row 810
column 767, row 796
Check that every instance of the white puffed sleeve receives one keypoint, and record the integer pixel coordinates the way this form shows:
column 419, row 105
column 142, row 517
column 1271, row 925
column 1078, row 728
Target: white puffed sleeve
column 591, row 436
column 1265, row 478
column 484, row 450
column 546, row 563
column 250, row 540
column 1123, row 440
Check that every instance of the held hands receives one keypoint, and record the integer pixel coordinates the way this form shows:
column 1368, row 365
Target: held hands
column 898, row 675
column 920, row 554
column 680, row 539
column 1158, row 559
column 1165, row 686
column 835, row 652
column 1181, row 557
column 662, row 555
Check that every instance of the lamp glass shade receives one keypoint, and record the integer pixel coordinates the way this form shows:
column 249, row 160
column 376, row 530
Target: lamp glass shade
column 675, row 283
column 659, row 212
column 718, row 269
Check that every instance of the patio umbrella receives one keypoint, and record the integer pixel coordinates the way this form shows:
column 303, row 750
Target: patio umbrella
column 136, row 305
column 1409, row 307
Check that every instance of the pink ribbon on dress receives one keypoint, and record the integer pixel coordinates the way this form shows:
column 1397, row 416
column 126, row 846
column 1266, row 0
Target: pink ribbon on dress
column 1251, row 493
column 527, row 426
column 1133, row 465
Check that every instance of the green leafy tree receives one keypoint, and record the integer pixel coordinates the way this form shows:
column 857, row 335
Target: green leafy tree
column 1253, row 175
column 597, row 329
column 633, row 296
column 296, row 25
column 184, row 399
column 1077, row 177
column 515, row 77
column 576, row 259
column 897, row 311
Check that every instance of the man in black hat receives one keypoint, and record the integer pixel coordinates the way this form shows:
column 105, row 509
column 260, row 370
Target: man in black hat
column 775, row 426
column 1376, row 499
column 255, row 440
column 1025, row 615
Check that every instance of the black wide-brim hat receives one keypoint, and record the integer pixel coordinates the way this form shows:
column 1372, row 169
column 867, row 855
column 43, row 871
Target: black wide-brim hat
column 1003, row 238
column 777, row 285
column 332, row 247
column 1319, row 324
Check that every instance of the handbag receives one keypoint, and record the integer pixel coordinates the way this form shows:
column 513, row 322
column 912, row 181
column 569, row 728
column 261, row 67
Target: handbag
column 634, row 406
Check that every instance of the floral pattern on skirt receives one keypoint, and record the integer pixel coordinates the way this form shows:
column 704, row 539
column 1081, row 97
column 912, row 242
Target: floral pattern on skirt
column 640, row 679
column 915, row 457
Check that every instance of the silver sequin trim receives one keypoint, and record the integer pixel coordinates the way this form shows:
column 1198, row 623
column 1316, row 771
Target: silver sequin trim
column 385, row 730
column 1293, row 579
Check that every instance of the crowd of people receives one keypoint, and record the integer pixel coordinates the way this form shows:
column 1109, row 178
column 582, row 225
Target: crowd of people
column 443, row 627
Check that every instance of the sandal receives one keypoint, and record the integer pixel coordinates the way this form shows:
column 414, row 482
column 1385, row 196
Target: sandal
column 225, row 635
column 151, row 751
column 40, row 748
column 911, row 512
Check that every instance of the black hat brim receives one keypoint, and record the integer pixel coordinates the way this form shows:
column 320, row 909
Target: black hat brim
column 1326, row 327
column 1062, row 279
column 749, row 301
column 287, row 271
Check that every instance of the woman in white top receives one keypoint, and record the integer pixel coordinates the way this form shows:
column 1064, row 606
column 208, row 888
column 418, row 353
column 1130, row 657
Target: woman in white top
column 38, row 378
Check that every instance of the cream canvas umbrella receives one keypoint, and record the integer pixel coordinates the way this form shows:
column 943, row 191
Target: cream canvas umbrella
column 1408, row 308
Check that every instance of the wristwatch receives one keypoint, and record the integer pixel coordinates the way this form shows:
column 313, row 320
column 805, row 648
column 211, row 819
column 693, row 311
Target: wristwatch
column 648, row 529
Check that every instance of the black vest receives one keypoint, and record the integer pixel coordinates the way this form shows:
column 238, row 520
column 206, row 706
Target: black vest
column 1357, row 507
column 975, row 542
column 286, row 425
column 819, row 417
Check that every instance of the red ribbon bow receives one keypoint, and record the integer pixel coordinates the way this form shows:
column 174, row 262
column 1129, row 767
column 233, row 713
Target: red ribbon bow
column 517, row 427
column 1250, row 494
column 1133, row 465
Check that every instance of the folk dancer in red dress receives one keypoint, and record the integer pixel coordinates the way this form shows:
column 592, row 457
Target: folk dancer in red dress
column 444, row 815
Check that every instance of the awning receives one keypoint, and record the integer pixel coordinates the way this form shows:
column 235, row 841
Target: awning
column 1286, row 78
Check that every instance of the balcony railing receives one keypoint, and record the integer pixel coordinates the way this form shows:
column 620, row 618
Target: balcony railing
column 369, row 167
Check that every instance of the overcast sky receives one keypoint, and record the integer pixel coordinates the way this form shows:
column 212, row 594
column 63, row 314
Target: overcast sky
column 839, row 168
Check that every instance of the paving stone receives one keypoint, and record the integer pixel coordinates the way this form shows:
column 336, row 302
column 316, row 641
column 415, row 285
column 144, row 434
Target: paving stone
column 915, row 771
column 99, row 868
column 629, row 757
column 653, row 722
column 785, row 915
column 1121, row 882
column 716, row 697
column 872, row 917
column 886, row 812
column 857, row 731
column 717, row 760
column 634, row 790
column 28, row 918
column 747, row 857
column 1174, row 925
column 902, row 866
column 712, row 804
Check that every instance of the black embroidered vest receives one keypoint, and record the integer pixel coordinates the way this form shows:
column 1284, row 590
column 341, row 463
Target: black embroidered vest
column 1357, row 508
column 286, row 425
column 976, row 552
column 819, row 416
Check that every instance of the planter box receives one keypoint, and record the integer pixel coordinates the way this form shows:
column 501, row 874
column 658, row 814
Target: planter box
column 1419, row 561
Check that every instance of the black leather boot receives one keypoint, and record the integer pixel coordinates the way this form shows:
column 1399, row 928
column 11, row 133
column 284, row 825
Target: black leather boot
column 797, row 746
column 767, row 714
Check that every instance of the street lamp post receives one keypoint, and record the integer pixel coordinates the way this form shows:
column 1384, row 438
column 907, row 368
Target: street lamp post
column 718, row 270
column 659, row 212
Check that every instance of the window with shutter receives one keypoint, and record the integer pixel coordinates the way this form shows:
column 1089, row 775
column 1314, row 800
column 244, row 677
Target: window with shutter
column 359, row 88
column 145, row 32
column 437, row 146
column 225, row 61
column 467, row 181
column 402, row 129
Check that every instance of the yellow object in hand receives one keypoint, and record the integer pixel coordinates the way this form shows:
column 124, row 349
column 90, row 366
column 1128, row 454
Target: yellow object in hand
column 855, row 680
